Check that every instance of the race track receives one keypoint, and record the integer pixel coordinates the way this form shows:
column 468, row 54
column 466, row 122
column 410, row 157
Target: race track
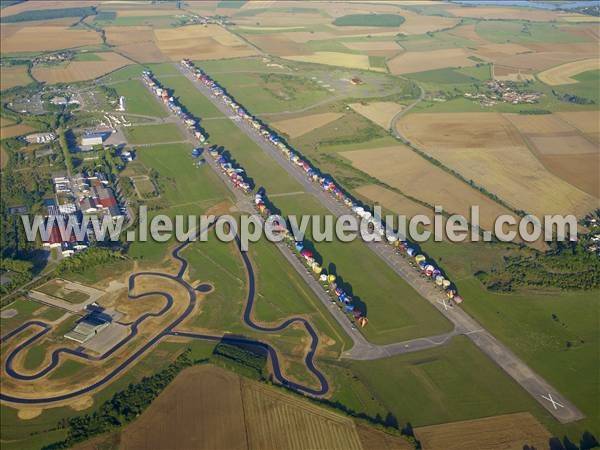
column 169, row 330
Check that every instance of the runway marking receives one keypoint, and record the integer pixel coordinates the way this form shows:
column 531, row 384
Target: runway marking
column 554, row 402
column 443, row 302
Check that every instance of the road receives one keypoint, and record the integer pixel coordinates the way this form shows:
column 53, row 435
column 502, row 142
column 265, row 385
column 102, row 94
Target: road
column 361, row 348
column 464, row 324
column 169, row 330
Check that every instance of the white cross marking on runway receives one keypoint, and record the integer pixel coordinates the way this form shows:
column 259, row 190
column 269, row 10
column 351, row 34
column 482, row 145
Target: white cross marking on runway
column 554, row 402
column 443, row 302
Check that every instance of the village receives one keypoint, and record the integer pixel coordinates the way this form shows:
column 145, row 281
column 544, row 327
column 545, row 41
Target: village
column 504, row 92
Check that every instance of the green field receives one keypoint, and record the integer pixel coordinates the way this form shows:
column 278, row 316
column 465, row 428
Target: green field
column 465, row 75
column 273, row 92
column 369, row 20
column 185, row 189
column 259, row 167
column 445, row 384
column 153, row 134
column 25, row 309
column 526, row 32
column 396, row 312
column 138, row 100
column 87, row 57
column 586, row 87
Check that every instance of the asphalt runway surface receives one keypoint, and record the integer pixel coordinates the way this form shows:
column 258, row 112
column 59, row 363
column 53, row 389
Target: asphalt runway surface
column 170, row 330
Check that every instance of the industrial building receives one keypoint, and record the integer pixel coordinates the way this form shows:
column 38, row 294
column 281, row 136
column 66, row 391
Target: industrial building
column 91, row 139
column 89, row 326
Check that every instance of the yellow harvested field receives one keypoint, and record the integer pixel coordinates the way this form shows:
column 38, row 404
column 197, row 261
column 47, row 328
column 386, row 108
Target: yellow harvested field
column 278, row 421
column 80, row 70
column 506, row 13
column 200, row 42
column 486, row 148
column 341, row 59
column 402, row 168
column 15, row 130
column 41, row 38
column 563, row 74
column 207, row 407
column 579, row 18
column 336, row 59
column 586, row 121
column 11, row 76
column 410, row 62
column 380, row 113
column 301, row 125
column 510, row 431
column 542, row 123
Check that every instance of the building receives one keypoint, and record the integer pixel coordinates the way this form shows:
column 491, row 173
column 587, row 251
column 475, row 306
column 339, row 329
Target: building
column 91, row 139
column 40, row 138
column 88, row 327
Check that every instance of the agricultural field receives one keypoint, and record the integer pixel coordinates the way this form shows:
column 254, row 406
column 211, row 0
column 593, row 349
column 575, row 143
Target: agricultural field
column 383, row 97
column 244, row 415
column 410, row 62
column 301, row 125
column 337, row 59
column 403, row 169
column 136, row 42
column 521, row 180
column 80, row 70
column 498, row 432
column 380, row 113
column 564, row 74
column 44, row 38
column 154, row 134
column 11, row 76
column 200, row 42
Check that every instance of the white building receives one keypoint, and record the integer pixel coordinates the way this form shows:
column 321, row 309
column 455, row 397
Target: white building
column 89, row 140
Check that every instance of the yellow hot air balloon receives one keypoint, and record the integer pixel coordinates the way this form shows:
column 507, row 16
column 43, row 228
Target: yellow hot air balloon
column 331, row 278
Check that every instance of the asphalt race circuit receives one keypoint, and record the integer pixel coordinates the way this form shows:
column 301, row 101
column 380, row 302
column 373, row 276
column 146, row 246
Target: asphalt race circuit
column 167, row 331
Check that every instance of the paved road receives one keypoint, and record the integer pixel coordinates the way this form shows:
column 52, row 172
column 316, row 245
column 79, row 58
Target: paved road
column 361, row 348
column 533, row 383
column 169, row 330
